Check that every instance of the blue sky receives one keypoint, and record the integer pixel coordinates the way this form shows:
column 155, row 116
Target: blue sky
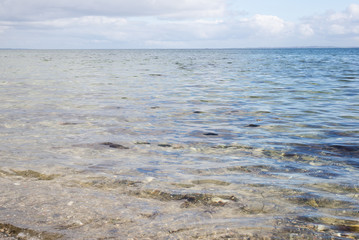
column 178, row 24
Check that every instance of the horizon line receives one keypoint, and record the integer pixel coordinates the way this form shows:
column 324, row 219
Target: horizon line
column 214, row 48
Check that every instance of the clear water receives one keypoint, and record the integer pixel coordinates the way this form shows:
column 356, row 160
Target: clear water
column 180, row 143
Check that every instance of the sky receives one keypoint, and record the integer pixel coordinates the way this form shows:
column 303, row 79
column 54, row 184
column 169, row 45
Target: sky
column 123, row 24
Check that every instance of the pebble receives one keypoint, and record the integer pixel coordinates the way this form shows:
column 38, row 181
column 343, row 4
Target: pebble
column 321, row 227
column 149, row 179
column 21, row 235
column 78, row 222
column 219, row 200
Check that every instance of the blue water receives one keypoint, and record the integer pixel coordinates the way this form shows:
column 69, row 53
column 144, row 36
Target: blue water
column 277, row 127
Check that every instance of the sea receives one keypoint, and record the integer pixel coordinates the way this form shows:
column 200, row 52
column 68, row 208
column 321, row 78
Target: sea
column 179, row 144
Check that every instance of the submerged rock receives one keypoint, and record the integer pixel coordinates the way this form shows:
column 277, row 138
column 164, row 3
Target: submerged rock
column 114, row 145
column 142, row 143
column 68, row 123
column 189, row 198
column 211, row 181
column 210, row 134
column 318, row 202
column 253, row 125
column 33, row 174
column 103, row 183
column 164, row 145
column 8, row 231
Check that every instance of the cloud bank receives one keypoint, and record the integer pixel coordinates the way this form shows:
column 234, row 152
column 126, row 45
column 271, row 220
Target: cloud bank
column 37, row 10
column 165, row 24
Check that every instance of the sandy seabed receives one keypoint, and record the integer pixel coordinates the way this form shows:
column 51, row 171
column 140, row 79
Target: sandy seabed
column 54, row 206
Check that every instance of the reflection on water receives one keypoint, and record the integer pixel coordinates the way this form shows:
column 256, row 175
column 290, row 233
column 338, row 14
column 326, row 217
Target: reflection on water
column 179, row 144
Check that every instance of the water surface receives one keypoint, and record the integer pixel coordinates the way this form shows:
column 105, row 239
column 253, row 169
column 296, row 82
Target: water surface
column 180, row 143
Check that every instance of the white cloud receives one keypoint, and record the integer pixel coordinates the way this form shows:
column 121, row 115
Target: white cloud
column 45, row 9
column 3, row 28
column 305, row 30
column 163, row 23
column 353, row 11
column 268, row 25
column 337, row 29
column 330, row 28
column 86, row 21
column 336, row 23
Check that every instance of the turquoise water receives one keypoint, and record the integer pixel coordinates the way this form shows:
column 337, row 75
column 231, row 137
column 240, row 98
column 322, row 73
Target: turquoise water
column 189, row 143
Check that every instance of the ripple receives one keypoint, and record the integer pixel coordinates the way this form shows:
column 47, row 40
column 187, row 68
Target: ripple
column 241, row 143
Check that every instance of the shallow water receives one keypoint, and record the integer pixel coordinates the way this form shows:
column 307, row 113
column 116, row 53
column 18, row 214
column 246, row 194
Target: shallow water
column 180, row 143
